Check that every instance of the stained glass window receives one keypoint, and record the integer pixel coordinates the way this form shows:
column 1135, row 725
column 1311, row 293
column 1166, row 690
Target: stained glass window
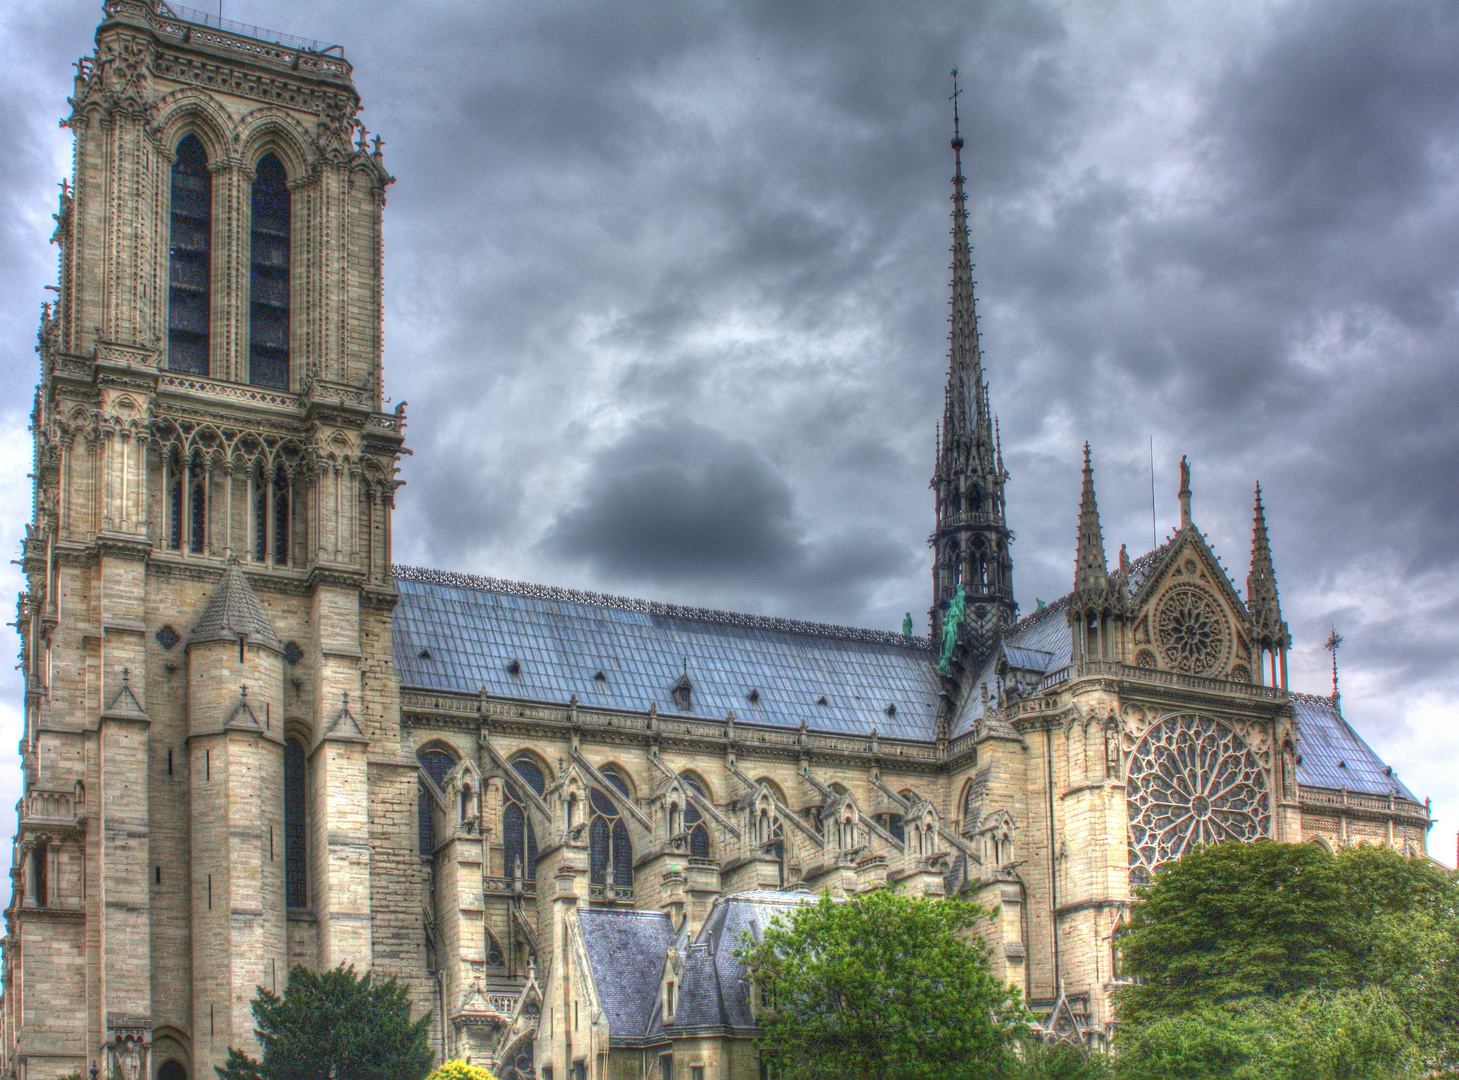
column 438, row 765
column 1192, row 781
column 609, row 848
column 518, row 839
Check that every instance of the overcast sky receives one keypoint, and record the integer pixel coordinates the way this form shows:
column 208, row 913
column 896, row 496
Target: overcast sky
column 667, row 283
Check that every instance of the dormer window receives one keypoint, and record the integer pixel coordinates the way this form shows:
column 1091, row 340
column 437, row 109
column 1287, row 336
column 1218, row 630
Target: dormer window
column 683, row 694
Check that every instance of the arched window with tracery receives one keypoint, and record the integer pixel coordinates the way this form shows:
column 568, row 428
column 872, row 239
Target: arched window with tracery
column 437, row 764
column 268, row 298
column 296, row 826
column 189, row 271
column 693, row 820
column 197, row 481
column 519, row 841
column 609, row 849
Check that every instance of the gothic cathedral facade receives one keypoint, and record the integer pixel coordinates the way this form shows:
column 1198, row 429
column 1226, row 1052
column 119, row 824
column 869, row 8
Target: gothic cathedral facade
column 253, row 742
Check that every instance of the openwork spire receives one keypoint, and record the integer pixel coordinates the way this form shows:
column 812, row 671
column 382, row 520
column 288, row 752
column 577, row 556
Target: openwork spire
column 1091, row 572
column 1261, row 584
column 972, row 535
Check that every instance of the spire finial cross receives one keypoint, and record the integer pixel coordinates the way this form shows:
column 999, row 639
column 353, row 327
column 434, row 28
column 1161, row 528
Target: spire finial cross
column 1332, row 644
column 956, row 93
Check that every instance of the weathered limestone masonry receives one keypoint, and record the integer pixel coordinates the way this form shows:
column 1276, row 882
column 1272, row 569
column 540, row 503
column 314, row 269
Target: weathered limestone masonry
column 208, row 565
column 252, row 742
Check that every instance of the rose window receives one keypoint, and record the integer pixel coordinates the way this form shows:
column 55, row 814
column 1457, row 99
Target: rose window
column 1192, row 782
column 1192, row 631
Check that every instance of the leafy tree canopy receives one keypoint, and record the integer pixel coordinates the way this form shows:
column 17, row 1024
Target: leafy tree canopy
column 882, row 986
column 1351, row 1035
column 1266, row 920
column 335, row 1024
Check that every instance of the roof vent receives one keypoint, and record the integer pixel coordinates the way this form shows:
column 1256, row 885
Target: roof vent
column 1387, row 770
column 753, row 696
column 822, row 701
column 600, row 677
column 891, row 710
column 514, row 668
column 1342, row 764
column 425, row 654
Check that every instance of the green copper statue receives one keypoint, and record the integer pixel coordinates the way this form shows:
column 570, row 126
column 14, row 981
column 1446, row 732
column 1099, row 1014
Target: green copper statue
column 950, row 623
column 907, row 625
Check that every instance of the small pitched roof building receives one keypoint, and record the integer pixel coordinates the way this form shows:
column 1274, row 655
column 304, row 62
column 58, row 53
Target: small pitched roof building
column 252, row 742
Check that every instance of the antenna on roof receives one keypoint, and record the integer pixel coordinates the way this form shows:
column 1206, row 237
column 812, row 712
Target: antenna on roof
column 1332, row 644
column 1154, row 542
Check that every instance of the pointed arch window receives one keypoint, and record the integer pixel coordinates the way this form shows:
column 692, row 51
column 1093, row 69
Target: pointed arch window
column 174, row 488
column 519, row 841
column 296, row 826
column 437, row 764
column 197, row 483
column 189, row 271
column 694, row 821
column 271, row 515
column 268, row 323
column 609, row 849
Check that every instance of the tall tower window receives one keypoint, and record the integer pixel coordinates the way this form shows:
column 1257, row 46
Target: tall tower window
column 281, row 516
column 268, row 327
column 174, row 503
column 189, row 273
column 197, row 508
column 296, row 875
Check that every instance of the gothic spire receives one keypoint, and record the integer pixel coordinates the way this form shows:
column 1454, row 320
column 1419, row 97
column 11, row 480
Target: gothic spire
column 1261, row 583
column 1091, row 572
column 972, row 535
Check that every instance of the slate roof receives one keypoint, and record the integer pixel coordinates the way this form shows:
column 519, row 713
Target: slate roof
column 1335, row 756
column 462, row 634
column 626, row 951
column 233, row 609
column 731, row 916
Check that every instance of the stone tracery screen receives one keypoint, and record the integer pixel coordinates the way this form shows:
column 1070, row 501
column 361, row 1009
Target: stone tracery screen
column 1192, row 781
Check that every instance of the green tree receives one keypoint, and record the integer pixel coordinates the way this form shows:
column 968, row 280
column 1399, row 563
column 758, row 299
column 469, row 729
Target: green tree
column 1061, row 1061
column 882, row 986
column 1351, row 1035
column 1265, row 920
column 1235, row 921
column 337, row 1025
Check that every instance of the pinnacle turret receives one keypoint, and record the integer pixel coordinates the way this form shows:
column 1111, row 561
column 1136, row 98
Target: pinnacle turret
column 1091, row 571
column 972, row 535
column 1261, row 584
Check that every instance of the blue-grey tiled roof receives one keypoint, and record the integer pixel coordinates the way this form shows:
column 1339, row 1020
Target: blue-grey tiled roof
column 626, row 951
column 732, row 916
column 1040, row 642
column 1335, row 756
column 462, row 638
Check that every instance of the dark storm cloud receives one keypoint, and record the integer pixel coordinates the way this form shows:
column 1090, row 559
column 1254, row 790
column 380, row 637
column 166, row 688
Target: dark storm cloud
column 676, row 503
column 666, row 291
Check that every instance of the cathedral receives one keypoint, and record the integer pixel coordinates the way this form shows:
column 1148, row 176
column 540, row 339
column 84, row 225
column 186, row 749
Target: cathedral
column 252, row 741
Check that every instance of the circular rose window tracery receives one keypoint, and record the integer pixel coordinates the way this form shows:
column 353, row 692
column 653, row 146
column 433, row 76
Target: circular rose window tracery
column 1192, row 781
column 1191, row 630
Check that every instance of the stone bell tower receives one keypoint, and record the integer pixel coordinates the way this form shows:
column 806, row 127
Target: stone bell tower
column 206, row 622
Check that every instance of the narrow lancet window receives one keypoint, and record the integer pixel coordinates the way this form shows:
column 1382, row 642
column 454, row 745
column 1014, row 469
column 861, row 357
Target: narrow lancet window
column 268, row 334
column 189, row 271
column 296, row 876
column 281, row 516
